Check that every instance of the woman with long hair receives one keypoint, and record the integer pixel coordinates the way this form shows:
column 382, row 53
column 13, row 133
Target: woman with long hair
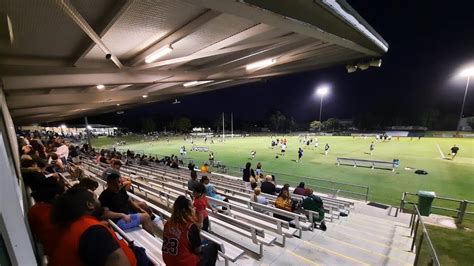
column 181, row 238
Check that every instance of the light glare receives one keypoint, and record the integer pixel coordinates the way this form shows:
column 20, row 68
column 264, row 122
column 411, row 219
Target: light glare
column 100, row 87
column 159, row 53
column 63, row 126
column 467, row 72
column 196, row 83
column 322, row 91
column 261, row 64
column 144, row 96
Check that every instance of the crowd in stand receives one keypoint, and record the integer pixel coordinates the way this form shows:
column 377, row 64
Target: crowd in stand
column 71, row 222
column 254, row 181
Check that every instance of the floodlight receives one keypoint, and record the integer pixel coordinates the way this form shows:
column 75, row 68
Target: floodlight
column 261, row 64
column 376, row 63
column 467, row 72
column 100, row 87
column 159, row 53
column 145, row 96
column 351, row 68
column 63, row 126
column 118, row 104
column 196, row 83
column 115, row 128
column 363, row 66
column 89, row 127
column 322, row 90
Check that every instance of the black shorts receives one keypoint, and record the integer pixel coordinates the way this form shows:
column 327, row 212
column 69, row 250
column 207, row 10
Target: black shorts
column 282, row 150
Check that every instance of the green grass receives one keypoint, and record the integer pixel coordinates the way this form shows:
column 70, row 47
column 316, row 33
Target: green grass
column 445, row 177
column 453, row 246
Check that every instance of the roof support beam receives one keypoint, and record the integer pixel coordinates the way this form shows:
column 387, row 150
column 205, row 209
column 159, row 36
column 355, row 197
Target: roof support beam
column 82, row 23
column 177, row 35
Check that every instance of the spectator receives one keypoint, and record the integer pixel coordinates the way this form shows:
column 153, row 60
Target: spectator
column 78, row 173
column 56, row 164
column 314, row 203
column 258, row 169
column 124, row 211
column 211, row 190
column 181, row 238
column 89, row 183
column 39, row 217
column 200, row 203
column 205, row 169
column 256, row 197
column 300, row 189
column 193, row 181
column 247, row 173
column 191, row 166
column 268, row 187
column 283, row 200
column 34, row 177
column 114, row 168
column 85, row 240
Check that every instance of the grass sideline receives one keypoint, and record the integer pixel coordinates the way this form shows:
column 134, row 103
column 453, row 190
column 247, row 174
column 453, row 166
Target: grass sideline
column 445, row 177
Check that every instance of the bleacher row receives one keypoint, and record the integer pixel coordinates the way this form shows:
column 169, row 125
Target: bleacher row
column 242, row 225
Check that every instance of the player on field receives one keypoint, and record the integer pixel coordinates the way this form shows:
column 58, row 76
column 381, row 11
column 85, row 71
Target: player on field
column 283, row 148
column 326, row 149
column 372, row 147
column 454, row 151
column 300, row 154
column 252, row 154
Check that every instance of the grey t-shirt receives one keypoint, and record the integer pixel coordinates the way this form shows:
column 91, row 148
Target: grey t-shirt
column 192, row 183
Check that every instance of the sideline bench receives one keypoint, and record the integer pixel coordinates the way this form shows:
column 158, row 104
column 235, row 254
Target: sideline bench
column 374, row 164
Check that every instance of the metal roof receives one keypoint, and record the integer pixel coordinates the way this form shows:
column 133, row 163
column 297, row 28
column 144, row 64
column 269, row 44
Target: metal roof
column 58, row 55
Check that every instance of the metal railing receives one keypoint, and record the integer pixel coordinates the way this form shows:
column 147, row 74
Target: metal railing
column 460, row 207
column 424, row 236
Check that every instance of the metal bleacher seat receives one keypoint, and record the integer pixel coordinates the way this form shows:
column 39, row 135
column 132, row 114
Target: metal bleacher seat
column 374, row 164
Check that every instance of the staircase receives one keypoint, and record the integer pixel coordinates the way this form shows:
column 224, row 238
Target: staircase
column 368, row 236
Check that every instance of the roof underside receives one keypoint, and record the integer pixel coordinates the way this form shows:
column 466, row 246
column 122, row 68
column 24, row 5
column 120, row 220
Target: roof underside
column 57, row 58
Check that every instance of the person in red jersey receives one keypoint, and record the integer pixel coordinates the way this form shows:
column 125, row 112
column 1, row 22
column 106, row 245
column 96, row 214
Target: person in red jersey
column 181, row 238
column 200, row 203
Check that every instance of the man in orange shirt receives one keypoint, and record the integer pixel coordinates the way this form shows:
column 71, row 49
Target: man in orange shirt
column 205, row 169
column 39, row 217
column 84, row 239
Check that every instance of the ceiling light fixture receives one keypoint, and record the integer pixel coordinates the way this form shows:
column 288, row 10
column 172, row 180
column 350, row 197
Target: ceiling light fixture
column 196, row 83
column 145, row 96
column 159, row 53
column 100, row 86
column 261, row 64
column 118, row 104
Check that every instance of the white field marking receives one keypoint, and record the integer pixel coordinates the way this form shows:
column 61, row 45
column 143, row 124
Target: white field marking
column 440, row 152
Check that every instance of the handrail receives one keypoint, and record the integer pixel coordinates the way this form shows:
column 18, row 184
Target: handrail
column 434, row 259
column 460, row 211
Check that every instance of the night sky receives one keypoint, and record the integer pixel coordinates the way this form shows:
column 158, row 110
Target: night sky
column 429, row 41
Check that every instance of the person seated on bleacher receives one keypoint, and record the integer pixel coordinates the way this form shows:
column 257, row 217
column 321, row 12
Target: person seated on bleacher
column 211, row 190
column 193, row 180
column 84, row 240
column 284, row 202
column 55, row 164
column 114, row 168
column 124, row 211
column 314, row 203
column 300, row 190
column 89, row 183
column 268, row 186
column 205, row 169
column 78, row 173
column 201, row 204
column 256, row 197
column 182, row 240
column 34, row 177
column 39, row 217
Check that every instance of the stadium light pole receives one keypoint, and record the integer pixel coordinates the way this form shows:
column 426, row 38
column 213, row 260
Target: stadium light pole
column 321, row 92
column 467, row 73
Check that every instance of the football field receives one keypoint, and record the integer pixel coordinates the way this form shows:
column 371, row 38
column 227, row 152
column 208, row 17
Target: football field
column 450, row 178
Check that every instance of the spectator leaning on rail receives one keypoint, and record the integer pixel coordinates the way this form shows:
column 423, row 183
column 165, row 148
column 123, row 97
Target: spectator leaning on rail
column 193, row 180
column 314, row 203
column 182, row 240
column 84, row 240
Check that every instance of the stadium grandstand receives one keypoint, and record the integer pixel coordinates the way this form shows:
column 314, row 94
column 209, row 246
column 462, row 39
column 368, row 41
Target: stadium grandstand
column 62, row 59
